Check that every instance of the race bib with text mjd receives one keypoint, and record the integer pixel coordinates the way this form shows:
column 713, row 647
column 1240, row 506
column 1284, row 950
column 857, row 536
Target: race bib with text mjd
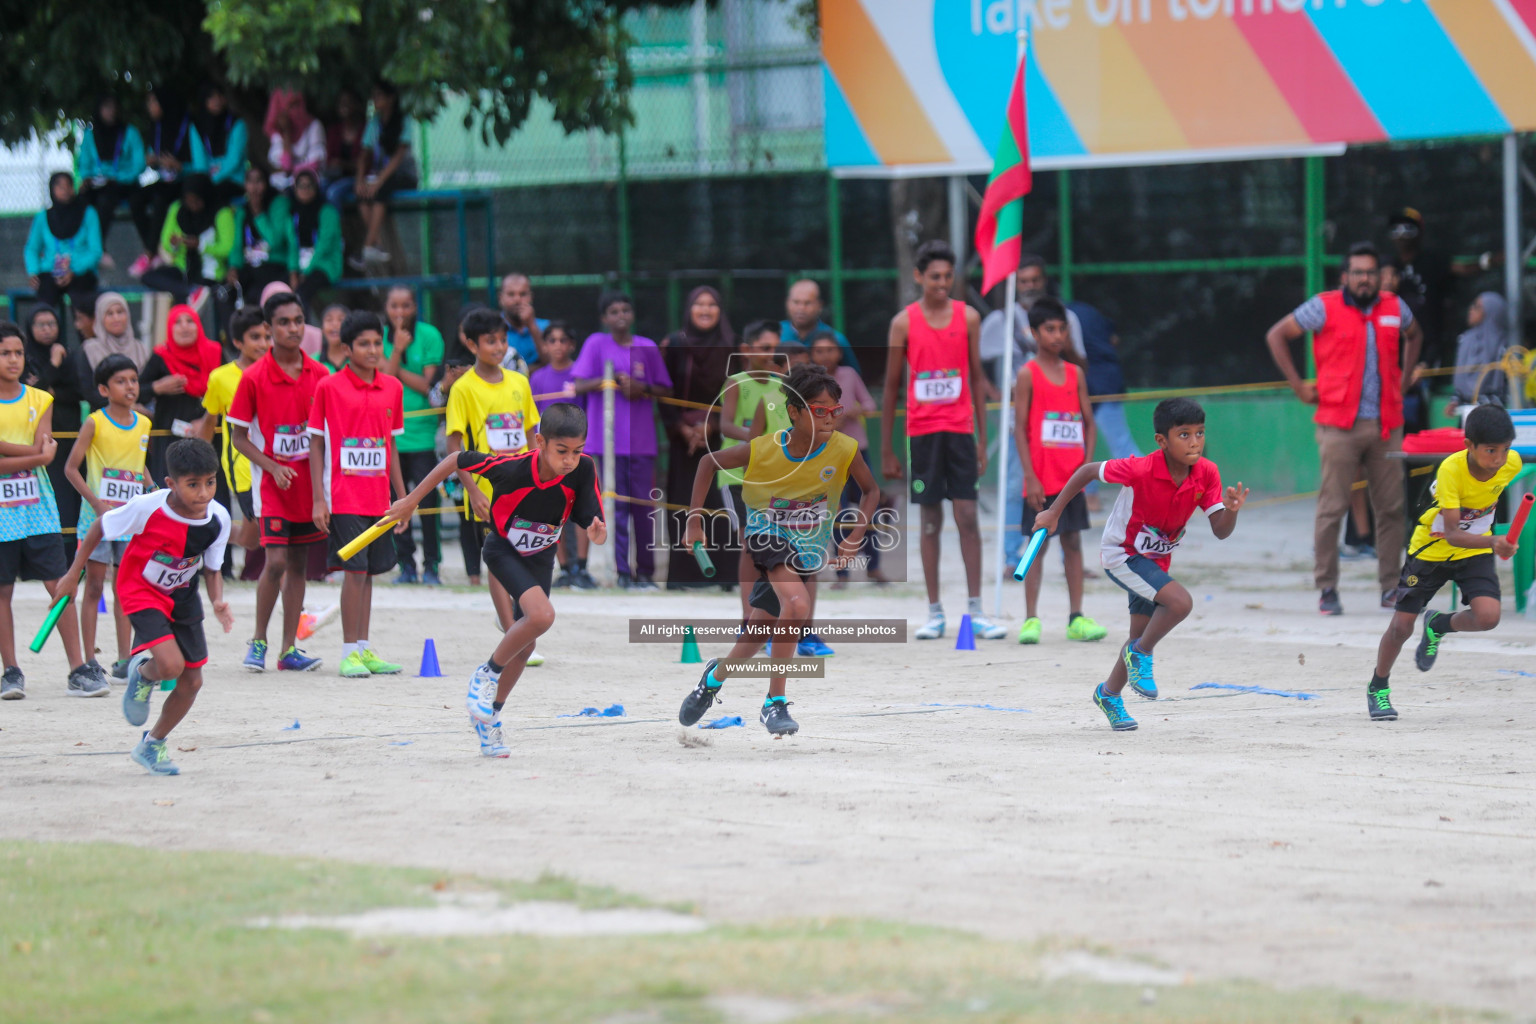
column 364, row 456
column 530, row 537
column 937, row 386
column 1153, row 543
column 167, row 572
column 290, row 442
column 1062, row 430
column 20, row 489
column 504, row 432
column 119, row 486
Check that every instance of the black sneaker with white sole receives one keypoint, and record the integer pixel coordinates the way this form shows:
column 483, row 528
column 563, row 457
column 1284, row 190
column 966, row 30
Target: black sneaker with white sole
column 84, row 682
column 1328, row 602
column 1379, row 704
column 13, row 685
column 775, row 715
column 701, row 699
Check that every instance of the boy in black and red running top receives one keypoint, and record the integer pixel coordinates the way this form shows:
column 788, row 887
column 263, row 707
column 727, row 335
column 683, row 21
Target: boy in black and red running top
column 174, row 535
column 270, row 421
column 532, row 496
column 1159, row 494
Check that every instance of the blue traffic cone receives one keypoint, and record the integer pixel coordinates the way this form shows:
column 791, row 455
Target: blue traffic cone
column 691, row 655
column 965, row 640
column 429, row 666
column 101, row 605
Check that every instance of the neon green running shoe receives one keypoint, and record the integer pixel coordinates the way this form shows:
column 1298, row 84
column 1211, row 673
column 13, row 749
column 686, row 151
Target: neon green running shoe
column 1029, row 633
column 1085, row 629
column 353, row 667
column 377, row 665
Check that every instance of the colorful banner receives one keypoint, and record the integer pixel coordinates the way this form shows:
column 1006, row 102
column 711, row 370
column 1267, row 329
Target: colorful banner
column 921, row 85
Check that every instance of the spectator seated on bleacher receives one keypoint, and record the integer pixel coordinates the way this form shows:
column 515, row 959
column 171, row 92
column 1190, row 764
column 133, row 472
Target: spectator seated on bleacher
column 314, row 241
column 386, row 166
column 218, row 145
column 111, row 159
column 167, row 151
column 195, row 244
column 64, row 247
column 297, row 139
column 343, row 147
column 263, row 230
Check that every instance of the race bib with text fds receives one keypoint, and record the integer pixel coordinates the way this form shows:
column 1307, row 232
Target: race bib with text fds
column 937, row 387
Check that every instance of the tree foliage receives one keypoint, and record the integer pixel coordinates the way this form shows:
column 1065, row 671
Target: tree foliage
column 502, row 54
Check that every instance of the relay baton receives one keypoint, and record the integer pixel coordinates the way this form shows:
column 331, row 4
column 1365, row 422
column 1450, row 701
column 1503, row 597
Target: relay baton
column 702, row 557
column 49, row 622
column 1036, row 542
column 365, row 538
column 1518, row 523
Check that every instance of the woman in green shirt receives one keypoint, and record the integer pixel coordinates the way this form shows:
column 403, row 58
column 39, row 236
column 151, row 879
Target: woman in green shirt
column 261, row 254
column 314, row 240
column 195, row 244
column 413, row 352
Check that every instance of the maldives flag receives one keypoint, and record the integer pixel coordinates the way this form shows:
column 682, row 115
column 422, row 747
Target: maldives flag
column 999, row 230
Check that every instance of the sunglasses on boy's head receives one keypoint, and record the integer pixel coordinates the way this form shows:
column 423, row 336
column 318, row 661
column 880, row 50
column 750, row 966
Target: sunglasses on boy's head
column 825, row 412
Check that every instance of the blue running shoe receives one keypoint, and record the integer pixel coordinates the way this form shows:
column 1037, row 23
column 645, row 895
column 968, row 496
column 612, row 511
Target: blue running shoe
column 1138, row 669
column 430, row 578
column 255, row 656
column 407, row 575
column 151, row 754
column 136, row 694
column 491, row 744
column 1114, row 709
column 810, row 646
column 482, row 695
column 295, row 660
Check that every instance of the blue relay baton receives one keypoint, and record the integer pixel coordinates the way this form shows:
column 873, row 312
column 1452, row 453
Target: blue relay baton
column 1036, row 542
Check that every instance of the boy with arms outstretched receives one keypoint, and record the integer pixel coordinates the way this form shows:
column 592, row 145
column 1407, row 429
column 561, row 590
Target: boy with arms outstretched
column 174, row 535
column 1158, row 495
column 791, row 486
column 1452, row 543
column 532, row 496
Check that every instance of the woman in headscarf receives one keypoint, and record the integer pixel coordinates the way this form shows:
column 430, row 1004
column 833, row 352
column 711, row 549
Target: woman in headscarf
column 111, row 160
column 697, row 358
column 64, row 246
column 113, row 335
column 262, row 234
column 297, row 139
column 50, row 368
column 176, row 379
column 195, row 243
column 218, row 144
column 1485, row 341
column 167, row 151
column 313, row 343
column 314, row 242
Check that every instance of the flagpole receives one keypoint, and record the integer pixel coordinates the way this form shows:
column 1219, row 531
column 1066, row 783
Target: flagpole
column 1005, row 422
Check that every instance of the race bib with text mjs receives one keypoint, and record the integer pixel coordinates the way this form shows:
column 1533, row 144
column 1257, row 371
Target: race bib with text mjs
column 291, row 442
column 20, row 490
column 167, row 572
column 364, row 456
column 1062, row 430
column 1154, row 543
column 504, row 432
column 937, row 387
column 119, row 486
column 530, row 538
column 798, row 515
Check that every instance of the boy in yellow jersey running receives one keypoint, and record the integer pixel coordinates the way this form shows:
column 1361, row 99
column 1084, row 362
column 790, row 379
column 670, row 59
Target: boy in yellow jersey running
column 791, row 487
column 252, row 339
column 1453, row 543
column 112, row 444
column 490, row 410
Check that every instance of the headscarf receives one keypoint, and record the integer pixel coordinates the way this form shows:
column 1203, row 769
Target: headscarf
column 1485, row 343
column 195, row 361
column 64, row 220
column 106, row 136
column 104, row 344
column 214, row 128
column 39, row 356
column 313, row 342
column 195, row 223
column 697, row 360
column 299, row 118
column 306, row 216
column 721, row 335
column 171, row 134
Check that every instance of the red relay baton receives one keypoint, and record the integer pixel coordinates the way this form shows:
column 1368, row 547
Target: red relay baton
column 1518, row 523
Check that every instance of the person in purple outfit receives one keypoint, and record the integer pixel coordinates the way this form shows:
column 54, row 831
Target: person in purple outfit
column 551, row 382
column 641, row 376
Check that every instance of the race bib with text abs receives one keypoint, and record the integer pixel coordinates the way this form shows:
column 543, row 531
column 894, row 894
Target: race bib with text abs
column 20, row 490
column 364, row 456
column 167, row 572
column 504, row 432
column 1062, row 430
column 1154, row 543
column 529, row 537
column 119, row 486
column 290, row 442
column 937, row 387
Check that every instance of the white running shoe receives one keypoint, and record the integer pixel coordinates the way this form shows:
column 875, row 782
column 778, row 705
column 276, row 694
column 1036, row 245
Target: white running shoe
column 490, row 740
column 933, row 628
column 986, row 629
column 482, row 694
column 535, row 659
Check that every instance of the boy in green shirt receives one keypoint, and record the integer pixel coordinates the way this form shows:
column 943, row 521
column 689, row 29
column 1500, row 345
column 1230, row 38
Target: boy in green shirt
column 413, row 351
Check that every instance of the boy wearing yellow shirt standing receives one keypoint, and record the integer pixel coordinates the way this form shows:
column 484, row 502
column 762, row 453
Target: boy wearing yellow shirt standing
column 252, row 339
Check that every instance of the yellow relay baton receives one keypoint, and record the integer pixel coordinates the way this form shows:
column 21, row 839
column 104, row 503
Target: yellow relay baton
column 365, row 538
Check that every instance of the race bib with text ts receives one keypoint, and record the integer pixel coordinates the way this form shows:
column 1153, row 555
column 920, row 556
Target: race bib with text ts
column 504, row 432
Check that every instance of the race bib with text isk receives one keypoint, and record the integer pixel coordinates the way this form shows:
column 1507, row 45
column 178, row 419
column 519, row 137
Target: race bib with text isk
column 167, row 572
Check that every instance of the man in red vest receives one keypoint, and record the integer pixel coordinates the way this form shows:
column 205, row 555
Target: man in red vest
column 1365, row 343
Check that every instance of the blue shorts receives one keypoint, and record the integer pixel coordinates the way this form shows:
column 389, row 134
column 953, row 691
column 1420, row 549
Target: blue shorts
column 1142, row 578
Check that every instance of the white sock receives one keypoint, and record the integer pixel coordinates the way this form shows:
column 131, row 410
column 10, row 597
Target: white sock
column 973, row 606
column 346, row 650
column 935, row 609
column 364, row 645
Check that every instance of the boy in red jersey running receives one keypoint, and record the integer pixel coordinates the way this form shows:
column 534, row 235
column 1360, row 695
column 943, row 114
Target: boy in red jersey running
column 1159, row 494
column 937, row 338
column 1054, row 432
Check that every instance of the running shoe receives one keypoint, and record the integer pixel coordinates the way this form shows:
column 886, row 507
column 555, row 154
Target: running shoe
column 645, row 583
column 490, row 739
column 13, row 685
column 255, row 656
column 1138, row 670
column 1429, row 645
column 1328, row 603
column 84, row 682
column 95, row 666
column 1114, row 709
column 933, row 629
column 1029, row 633
column 295, row 660
column 810, row 646
column 535, row 659
column 120, row 669
column 352, row 667
column 582, row 580
column 429, row 578
column 624, row 582
column 775, row 715
column 482, row 694
column 983, row 628
column 1379, row 704
column 561, row 581
column 152, row 755
column 139, row 267
column 1085, row 629
column 137, row 693
column 377, row 665
column 702, row 698
column 407, row 575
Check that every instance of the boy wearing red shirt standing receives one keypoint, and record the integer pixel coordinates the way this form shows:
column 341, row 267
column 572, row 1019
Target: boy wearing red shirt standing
column 1159, row 493
column 357, row 415
column 1054, row 432
column 270, row 421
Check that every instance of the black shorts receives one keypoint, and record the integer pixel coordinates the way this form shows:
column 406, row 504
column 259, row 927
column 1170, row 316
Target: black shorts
column 517, row 573
column 764, row 597
column 943, row 466
column 768, row 550
column 277, row 532
column 376, row 559
column 247, row 507
column 39, row 557
column 1074, row 518
column 151, row 627
column 1477, row 576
